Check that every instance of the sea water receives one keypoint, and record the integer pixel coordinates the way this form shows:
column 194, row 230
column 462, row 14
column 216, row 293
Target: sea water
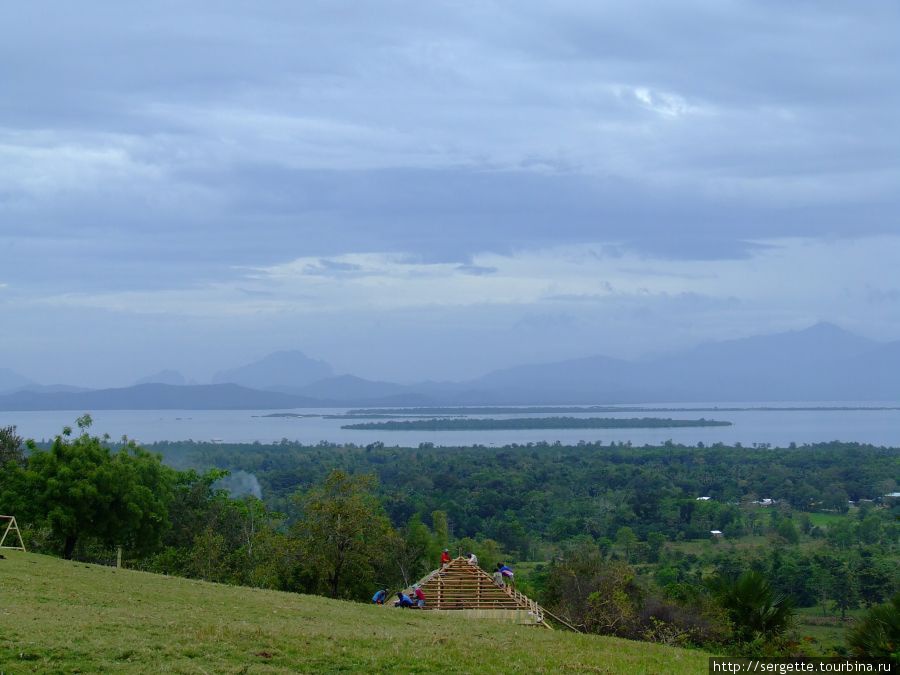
column 750, row 427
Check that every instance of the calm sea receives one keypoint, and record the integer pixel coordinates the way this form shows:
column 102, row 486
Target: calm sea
column 775, row 427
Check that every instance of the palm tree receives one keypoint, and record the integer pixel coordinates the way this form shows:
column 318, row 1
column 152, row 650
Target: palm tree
column 877, row 636
column 754, row 608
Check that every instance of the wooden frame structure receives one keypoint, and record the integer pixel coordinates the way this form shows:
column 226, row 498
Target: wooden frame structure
column 459, row 586
column 11, row 526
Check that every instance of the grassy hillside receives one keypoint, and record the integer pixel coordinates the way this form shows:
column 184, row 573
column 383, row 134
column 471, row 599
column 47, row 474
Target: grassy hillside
column 59, row 616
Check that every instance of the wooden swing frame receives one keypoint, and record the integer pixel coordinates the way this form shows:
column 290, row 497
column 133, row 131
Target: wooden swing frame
column 11, row 526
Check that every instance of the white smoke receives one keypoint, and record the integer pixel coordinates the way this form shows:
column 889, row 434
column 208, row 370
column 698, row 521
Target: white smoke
column 240, row 484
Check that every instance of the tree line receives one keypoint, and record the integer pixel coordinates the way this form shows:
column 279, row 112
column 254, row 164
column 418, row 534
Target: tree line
column 84, row 497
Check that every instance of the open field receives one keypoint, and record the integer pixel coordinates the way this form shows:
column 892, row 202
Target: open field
column 828, row 633
column 825, row 519
column 63, row 616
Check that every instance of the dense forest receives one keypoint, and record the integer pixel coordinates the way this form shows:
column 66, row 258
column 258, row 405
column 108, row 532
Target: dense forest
column 616, row 539
column 528, row 495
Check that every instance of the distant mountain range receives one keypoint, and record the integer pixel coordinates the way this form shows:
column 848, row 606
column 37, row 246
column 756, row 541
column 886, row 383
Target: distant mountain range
column 164, row 377
column 281, row 370
column 10, row 380
column 820, row 363
column 157, row 397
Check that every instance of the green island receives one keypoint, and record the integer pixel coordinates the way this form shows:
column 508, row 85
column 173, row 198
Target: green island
column 288, row 415
column 518, row 423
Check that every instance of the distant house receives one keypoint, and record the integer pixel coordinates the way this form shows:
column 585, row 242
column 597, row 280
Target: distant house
column 765, row 502
column 892, row 495
column 717, row 534
column 703, row 499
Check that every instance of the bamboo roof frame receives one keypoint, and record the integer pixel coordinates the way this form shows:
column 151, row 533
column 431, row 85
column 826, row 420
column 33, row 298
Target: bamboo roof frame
column 459, row 585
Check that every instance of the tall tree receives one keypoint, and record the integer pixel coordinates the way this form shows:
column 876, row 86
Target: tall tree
column 83, row 489
column 410, row 550
column 344, row 533
column 11, row 445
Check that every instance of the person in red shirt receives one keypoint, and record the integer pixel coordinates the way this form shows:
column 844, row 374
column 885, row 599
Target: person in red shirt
column 420, row 597
column 445, row 557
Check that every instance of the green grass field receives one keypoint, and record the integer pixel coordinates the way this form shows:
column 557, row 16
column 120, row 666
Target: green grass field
column 826, row 519
column 59, row 616
column 823, row 635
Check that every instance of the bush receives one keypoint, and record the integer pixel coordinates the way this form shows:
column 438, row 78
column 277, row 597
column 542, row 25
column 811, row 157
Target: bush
column 755, row 610
column 877, row 635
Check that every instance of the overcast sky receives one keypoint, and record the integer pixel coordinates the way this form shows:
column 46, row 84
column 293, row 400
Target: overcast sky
column 415, row 190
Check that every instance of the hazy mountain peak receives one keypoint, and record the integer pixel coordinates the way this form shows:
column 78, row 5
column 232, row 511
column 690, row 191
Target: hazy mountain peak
column 828, row 334
column 812, row 341
column 10, row 380
column 827, row 330
column 290, row 368
column 823, row 326
column 164, row 377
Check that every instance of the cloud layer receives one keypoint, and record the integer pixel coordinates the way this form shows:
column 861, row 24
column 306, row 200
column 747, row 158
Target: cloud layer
column 337, row 159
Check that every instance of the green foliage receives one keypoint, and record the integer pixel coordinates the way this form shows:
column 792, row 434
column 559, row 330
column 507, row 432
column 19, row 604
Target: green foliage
column 81, row 488
column 626, row 540
column 344, row 534
column 488, row 552
column 877, row 635
column 573, row 577
column 755, row 609
column 605, row 596
column 877, row 578
column 411, row 550
column 11, row 447
column 441, row 532
column 521, row 496
column 343, row 520
column 217, row 538
column 613, row 608
column 787, row 531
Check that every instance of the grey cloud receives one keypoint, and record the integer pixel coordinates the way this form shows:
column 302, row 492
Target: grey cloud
column 255, row 293
column 879, row 296
column 476, row 270
column 325, row 267
column 547, row 321
column 169, row 146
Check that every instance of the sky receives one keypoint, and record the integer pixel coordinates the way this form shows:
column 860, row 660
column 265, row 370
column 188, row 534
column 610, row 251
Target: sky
column 415, row 190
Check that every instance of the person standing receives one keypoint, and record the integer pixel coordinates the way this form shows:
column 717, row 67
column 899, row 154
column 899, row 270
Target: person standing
column 445, row 557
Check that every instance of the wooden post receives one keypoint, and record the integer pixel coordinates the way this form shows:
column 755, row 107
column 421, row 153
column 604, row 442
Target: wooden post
column 119, row 558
